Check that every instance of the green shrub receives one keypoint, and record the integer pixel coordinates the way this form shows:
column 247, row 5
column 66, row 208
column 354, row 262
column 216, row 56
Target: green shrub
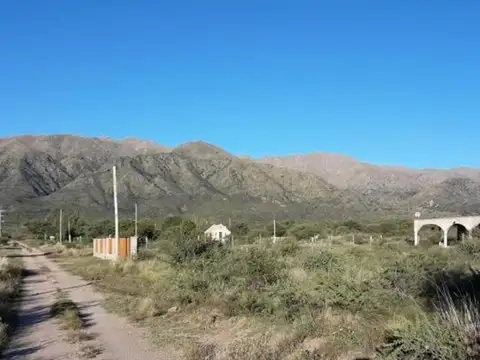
column 363, row 297
column 307, row 230
column 255, row 267
column 288, row 246
column 470, row 247
column 408, row 275
column 10, row 283
column 323, row 260
column 186, row 248
column 453, row 332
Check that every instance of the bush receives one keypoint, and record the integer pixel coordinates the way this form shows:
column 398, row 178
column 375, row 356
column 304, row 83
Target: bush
column 10, row 283
column 357, row 297
column 469, row 247
column 450, row 333
column 407, row 276
column 288, row 246
column 185, row 248
column 306, row 231
column 322, row 261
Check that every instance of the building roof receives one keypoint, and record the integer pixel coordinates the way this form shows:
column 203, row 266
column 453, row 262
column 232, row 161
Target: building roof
column 217, row 226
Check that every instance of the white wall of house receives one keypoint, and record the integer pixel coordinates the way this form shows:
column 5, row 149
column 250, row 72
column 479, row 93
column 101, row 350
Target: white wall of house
column 218, row 232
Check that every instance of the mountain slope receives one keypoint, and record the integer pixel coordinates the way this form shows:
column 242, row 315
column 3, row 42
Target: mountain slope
column 33, row 166
column 40, row 174
column 394, row 189
column 197, row 176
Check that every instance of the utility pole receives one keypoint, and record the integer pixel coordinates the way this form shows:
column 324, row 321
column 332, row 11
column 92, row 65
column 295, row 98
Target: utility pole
column 274, row 230
column 115, row 205
column 136, row 220
column 1, row 220
column 230, row 223
column 69, row 233
column 60, row 228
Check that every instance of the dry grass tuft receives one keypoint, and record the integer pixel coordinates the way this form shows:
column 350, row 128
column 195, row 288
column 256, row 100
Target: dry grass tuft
column 10, row 284
column 67, row 312
column 90, row 351
column 71, row 320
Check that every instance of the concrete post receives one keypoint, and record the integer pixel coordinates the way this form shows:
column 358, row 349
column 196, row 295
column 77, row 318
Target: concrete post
column 133, row 245
column 445, row 238
column 416, row 238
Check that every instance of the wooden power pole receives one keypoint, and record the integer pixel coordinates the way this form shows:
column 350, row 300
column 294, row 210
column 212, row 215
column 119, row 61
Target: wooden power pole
column 60, row 235
column 115, row 205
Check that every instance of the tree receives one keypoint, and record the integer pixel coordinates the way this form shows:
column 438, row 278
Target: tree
column 240, row 229
column 352, row 225
column 146, row 228
column 41, row 227
column 306, row 231
column 102, row 228
column 171, row 221
column 188, row 228
column 280, row 229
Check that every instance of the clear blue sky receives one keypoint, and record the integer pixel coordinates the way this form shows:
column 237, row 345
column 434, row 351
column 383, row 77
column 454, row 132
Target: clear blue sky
column 394, row 82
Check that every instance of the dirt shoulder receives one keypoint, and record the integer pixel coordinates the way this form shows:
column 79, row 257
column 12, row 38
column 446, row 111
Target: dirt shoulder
column 40, row 336
column 37, row 335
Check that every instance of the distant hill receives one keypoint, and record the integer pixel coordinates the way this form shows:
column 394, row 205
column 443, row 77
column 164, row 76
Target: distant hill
column 40, row 174
column 394, row 189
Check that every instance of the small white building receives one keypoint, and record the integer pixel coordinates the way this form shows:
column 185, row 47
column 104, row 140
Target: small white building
column 217, row 232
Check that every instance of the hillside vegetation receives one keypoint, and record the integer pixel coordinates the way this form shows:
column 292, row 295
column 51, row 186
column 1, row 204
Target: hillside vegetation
column 41, row 174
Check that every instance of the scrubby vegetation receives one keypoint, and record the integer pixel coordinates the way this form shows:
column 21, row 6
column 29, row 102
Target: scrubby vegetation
column 10, row 282
column 332, row 299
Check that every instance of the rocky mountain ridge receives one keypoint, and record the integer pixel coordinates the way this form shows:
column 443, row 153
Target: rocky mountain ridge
column 40, row 174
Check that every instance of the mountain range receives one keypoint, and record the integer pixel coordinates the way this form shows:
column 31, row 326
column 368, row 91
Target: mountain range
column 41, row 174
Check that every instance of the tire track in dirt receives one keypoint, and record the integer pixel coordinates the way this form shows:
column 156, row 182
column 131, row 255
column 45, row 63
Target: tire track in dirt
column 119, row 339
column 37, row 335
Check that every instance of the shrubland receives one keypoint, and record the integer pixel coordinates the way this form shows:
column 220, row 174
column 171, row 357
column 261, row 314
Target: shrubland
column 295, row 299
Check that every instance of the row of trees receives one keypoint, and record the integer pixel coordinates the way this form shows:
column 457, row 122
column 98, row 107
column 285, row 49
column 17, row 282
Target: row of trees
column 155, row 229
column 306, row 229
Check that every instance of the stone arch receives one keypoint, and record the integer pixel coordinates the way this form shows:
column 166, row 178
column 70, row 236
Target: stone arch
column 457, row 233
column 465, row 223
column 433, row 227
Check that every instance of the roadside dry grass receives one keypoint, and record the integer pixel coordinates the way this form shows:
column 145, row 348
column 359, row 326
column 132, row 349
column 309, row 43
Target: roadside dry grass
column 72, row 320
column 67, row 312
column 297, row 301
column 11, row 274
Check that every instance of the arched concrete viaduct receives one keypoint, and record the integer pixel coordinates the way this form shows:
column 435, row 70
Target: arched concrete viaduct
column 469, row 222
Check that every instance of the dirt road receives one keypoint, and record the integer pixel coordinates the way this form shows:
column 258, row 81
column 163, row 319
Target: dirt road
column 39, row 337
